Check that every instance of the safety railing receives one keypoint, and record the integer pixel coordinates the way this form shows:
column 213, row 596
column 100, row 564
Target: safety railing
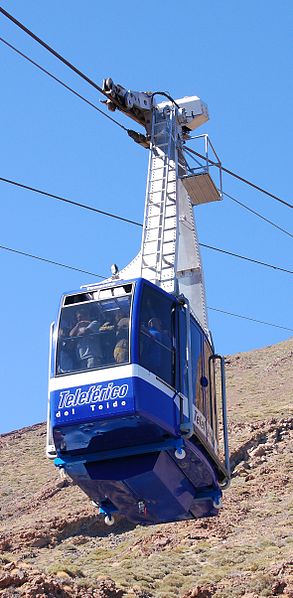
column 221, row 360
column 205, row 157
column 50, row 446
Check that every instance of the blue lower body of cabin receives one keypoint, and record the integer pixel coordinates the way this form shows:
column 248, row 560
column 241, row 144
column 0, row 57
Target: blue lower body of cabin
column 117, row 439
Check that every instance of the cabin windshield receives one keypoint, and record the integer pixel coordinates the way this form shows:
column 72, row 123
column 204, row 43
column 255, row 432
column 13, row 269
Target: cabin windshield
column 93, row 335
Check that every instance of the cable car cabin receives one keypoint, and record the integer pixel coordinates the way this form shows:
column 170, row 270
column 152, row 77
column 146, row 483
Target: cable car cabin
column 132, row 407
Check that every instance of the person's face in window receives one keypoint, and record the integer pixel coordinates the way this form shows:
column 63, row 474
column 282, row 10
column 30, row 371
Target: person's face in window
column 81, row 315
column 155, row 323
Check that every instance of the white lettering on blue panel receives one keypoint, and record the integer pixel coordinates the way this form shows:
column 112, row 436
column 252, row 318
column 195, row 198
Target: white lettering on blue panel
column 97, row 399
column 93, row 395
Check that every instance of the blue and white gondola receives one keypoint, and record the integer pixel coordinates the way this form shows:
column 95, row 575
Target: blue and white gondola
column 132, row 405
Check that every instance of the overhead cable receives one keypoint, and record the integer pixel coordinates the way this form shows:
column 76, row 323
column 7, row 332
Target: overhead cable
column 248, row 259
column 54, row 263
column 43, row 259
column 70, row 201
column 98, row 88
column 135, row 222
column 8, row 44
column 229, row 313
column 52, row 51
column 237, row 176
column 246, row 207
column 41, row 68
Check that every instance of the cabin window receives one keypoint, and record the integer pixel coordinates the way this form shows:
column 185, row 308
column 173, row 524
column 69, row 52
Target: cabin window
column 93, row 335
column 181, row 357
column 209, row 388
column 196, row 365
column 156, row 350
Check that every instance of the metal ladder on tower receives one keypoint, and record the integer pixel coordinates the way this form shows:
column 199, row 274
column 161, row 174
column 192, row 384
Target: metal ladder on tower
column 159, row 247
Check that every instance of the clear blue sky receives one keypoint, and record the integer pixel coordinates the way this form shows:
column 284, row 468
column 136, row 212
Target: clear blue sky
column 237, row 56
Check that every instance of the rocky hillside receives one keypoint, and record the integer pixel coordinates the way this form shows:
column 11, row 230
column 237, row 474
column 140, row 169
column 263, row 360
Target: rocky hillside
column 53, row 544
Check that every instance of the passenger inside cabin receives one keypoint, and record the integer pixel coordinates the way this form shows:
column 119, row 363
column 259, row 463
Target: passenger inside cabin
column 155, row 329
column 93, row 335
column 156, row 348
column 66, row 359
column 121, row 350
column 108, row 324
column 88, row 346
column 122, row 326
